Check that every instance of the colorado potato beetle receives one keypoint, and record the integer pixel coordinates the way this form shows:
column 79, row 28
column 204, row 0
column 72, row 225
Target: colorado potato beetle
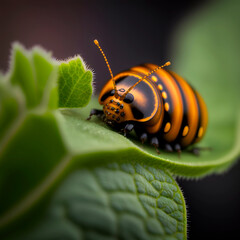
column 157, row 103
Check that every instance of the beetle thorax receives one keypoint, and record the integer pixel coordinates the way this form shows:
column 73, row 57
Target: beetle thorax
column 114, row 111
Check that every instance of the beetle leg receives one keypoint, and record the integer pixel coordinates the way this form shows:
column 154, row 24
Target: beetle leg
column 168, row 148
column 143, row 137
column 177, row 148
column 128, row 128
column 196, row 150
column 95, row 112
column 155, row 143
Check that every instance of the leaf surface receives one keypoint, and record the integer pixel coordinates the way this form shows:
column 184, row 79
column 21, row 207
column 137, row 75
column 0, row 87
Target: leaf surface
column 127, row 201
column 26, row 122
column 75, row 88
column 42, row 148
column 202, row 56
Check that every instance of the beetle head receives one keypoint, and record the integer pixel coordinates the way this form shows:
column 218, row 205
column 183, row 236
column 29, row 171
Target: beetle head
column 117, row 110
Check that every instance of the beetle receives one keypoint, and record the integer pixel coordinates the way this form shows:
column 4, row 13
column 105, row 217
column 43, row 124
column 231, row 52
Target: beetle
column 157, row 103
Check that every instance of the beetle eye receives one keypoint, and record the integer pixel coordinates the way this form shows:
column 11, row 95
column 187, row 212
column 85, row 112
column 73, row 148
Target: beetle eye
column 112, row 92
column 129, row 98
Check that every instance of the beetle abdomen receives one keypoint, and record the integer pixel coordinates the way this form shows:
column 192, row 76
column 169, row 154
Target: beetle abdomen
column 185, row 113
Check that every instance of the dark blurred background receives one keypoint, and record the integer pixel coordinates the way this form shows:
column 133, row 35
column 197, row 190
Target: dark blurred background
column 130, row 32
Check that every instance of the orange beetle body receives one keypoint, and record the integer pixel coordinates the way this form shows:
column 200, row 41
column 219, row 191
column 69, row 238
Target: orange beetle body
column 157, row 103
column 163, row 105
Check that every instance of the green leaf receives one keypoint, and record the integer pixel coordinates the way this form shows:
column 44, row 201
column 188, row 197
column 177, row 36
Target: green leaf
column 9, row 108
column 36, row 156
column 32, row 72
column 44, row 69
column 123, row 201
column 22, row 74
column 75, row 88
column 1, row 76
column 211, row 67
column 25, row 124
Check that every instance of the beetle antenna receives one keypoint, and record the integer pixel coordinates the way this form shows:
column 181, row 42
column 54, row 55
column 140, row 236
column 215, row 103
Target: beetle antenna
column 143, row 78
column 105, row 58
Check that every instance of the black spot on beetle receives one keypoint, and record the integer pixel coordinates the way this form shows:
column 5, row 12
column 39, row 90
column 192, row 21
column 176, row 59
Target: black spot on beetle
column 129, row 98
column 136, row 113
column 106, row 95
